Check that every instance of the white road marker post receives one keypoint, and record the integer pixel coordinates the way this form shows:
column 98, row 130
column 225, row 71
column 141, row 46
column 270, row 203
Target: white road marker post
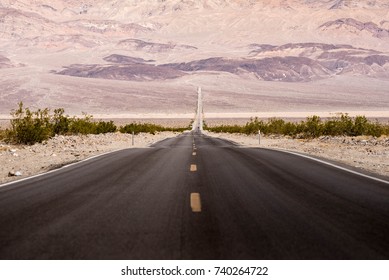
column 133, row 136
column 259, row 137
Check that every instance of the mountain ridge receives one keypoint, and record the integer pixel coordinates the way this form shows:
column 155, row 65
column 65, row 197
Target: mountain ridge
column 176, row 43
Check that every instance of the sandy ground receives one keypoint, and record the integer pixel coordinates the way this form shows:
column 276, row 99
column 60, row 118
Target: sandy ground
column 367, row 153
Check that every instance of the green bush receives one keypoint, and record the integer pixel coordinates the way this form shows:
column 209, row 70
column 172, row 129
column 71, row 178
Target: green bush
column 30, row 127
column 226, row 128
column 137, row 128
column 252, row 126
column 312, row 127
column 274, row 126
column 105, row 127
column 60, row 122
column 86, row 125
column 376, row 129
column 361, row 124
column 291, row 129
column 82, row 125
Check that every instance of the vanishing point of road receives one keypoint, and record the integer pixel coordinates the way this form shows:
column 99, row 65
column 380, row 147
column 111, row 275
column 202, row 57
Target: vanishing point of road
column 195, row 197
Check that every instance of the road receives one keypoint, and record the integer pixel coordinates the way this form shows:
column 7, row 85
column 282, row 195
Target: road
column 195, row 197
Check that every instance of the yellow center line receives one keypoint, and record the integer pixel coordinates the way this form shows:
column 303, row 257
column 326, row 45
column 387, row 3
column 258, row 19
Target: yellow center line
column 195, row 202
column 193, row 167
column 194, row 153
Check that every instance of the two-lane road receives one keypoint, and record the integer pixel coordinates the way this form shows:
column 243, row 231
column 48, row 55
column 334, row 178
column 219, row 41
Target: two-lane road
column 195, row 197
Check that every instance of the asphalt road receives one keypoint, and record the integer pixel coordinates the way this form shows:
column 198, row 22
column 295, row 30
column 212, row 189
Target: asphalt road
column 195, row 197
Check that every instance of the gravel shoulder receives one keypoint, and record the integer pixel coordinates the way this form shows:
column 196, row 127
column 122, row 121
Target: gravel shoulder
column 21, row 161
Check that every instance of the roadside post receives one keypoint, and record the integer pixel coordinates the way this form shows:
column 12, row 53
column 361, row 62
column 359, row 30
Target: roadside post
column 133, row 136
column 259, row 137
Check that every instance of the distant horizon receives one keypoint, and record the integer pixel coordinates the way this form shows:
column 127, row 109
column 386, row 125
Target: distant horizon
column 133, row 59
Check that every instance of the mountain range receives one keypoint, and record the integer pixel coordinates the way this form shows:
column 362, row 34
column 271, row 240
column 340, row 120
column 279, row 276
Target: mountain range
column 139, row 56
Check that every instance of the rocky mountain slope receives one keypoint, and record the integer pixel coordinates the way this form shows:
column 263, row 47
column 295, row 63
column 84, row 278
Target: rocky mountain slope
column 292, row 41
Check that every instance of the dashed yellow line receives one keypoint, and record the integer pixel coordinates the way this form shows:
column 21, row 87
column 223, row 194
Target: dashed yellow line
column 195, row 202
column 193, row 167
column 194, row 153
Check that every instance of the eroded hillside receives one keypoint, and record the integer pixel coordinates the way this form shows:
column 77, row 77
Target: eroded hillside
column 183, row 44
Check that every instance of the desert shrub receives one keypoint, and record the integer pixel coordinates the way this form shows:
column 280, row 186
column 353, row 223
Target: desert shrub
column 138, row 128
column 332, row 128
column 149, row 128
column 347, row 126
column 274, row 126
column 312, row 127
column 105, row 127
column 361, row 125
column 225, row 128
column 60, row 122
column 177, row 129
column 29, row 127
column 291, row 129
column 386, row 129
column 376, row 129
column 252, row 126
column 83, row 125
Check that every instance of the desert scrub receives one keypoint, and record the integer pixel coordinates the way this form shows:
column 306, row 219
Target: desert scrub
column 137, row 128
column 63, row 124
column 312, row 127
column 30, row 127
